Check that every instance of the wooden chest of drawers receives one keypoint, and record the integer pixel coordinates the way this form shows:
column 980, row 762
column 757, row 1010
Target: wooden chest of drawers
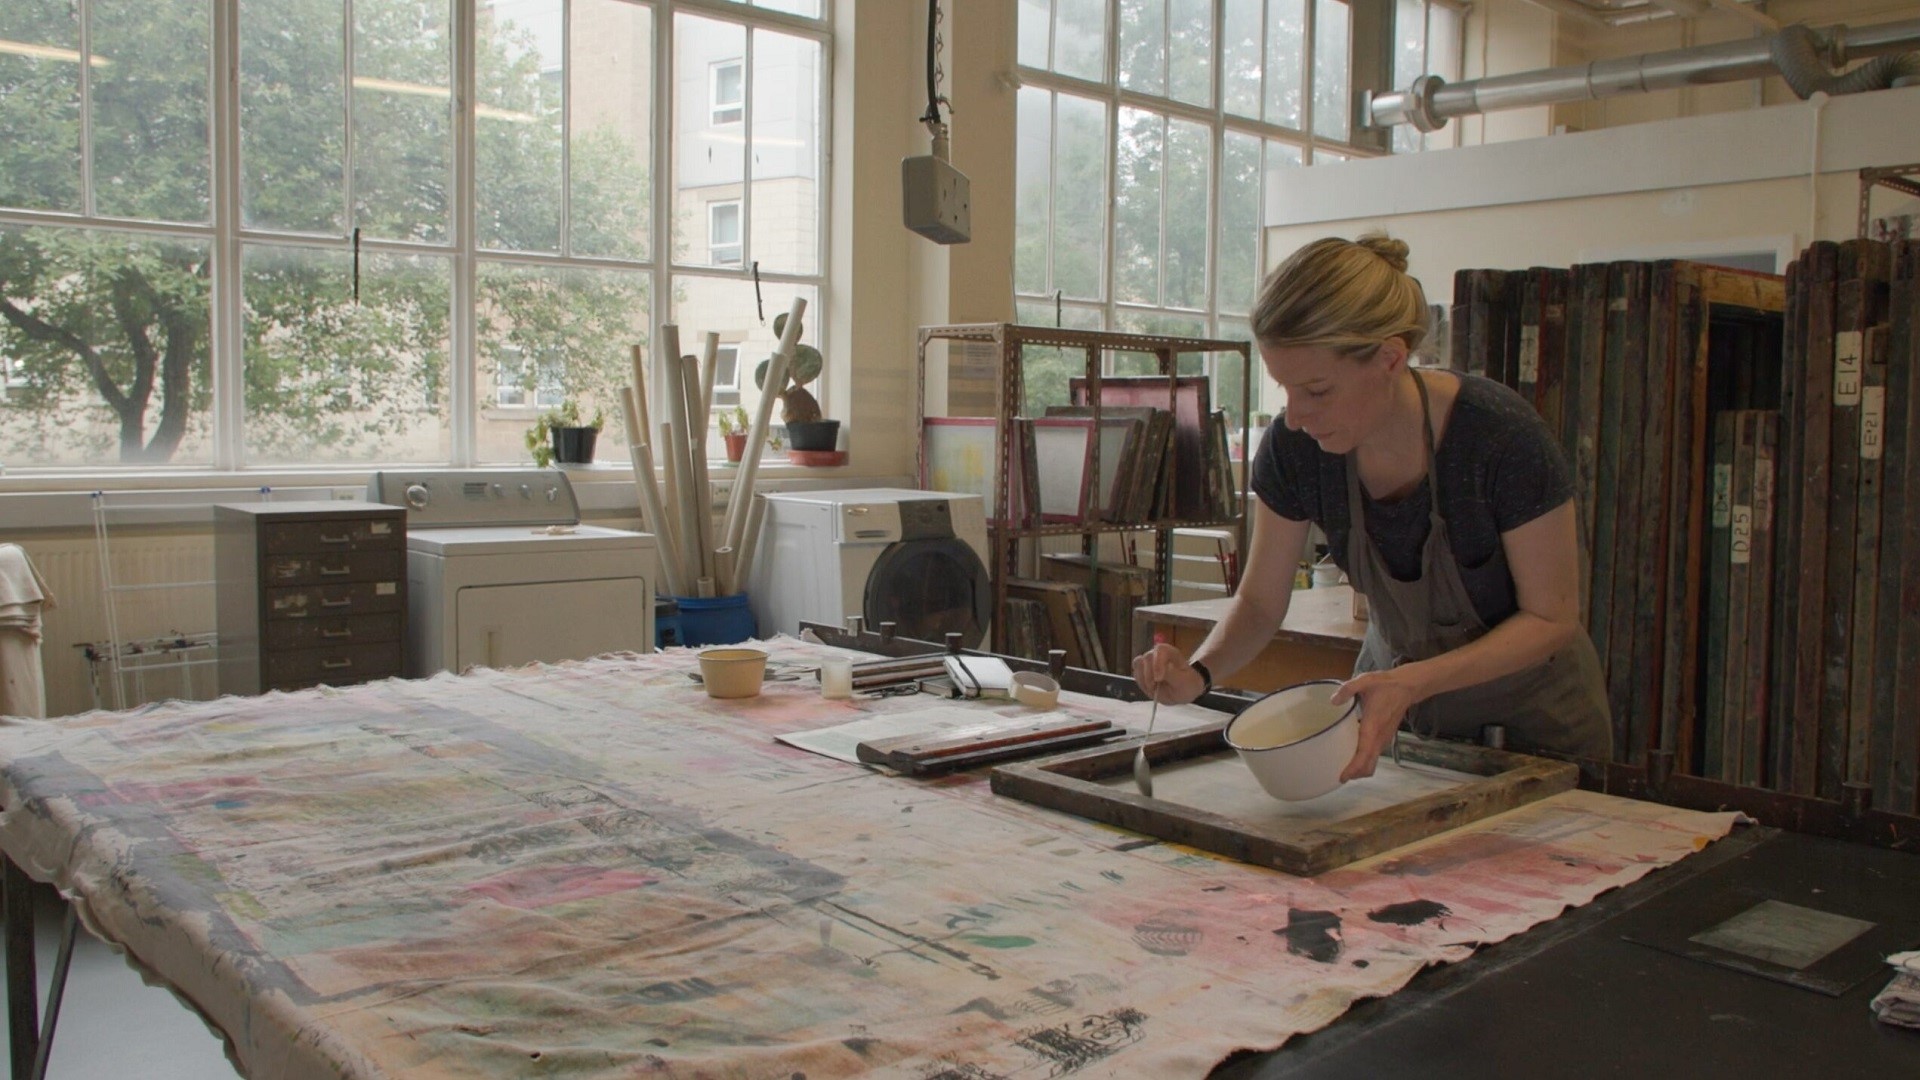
column 309, row 593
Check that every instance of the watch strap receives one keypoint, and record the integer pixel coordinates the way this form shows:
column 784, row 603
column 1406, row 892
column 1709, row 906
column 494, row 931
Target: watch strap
column 1206, row 676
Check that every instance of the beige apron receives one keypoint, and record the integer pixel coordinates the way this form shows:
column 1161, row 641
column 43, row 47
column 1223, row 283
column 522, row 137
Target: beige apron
column 1559, row 704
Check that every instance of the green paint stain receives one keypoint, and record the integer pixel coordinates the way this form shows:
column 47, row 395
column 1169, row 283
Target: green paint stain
column 1006, row 941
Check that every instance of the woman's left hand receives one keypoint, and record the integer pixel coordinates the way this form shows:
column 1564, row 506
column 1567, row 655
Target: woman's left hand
column 1385, row 697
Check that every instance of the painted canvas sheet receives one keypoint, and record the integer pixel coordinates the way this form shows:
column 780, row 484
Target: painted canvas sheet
column 594, row 870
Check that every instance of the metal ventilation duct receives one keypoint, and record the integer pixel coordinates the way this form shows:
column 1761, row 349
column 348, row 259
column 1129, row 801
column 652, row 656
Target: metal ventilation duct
column 1432, row 101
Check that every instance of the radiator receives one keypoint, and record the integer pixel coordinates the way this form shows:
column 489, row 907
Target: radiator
column 163, row 592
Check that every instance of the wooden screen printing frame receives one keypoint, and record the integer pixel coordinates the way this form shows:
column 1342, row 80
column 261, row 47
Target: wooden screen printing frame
column 1070, row 783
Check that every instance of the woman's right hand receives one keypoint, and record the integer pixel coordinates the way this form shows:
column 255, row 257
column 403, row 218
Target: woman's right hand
column 1164, row 675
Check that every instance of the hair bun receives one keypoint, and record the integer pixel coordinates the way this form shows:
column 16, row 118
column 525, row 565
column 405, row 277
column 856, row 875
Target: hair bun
column 1389, row 249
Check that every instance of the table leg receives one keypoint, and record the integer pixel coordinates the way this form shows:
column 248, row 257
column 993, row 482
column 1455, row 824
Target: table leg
column 23, row 992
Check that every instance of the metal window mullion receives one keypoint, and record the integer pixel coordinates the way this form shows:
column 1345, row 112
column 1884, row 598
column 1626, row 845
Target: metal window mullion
column 1053, row 183
column 666, row 60
column 1166, row 174
column 87, row 206
column 566, row 127
column 1307, row 53
column 226, row 340
column 346, row 142
column 1110, row 90
column 463, row 366
column 747, row 81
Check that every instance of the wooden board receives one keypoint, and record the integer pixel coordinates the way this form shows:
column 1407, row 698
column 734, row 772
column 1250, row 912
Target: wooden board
column 947, row 751
column 1827, row 761
column 1901, row 580
column 1629, row 325
column 1295, row 838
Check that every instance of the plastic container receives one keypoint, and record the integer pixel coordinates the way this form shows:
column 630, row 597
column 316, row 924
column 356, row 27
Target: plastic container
column 1296, row 741
column 836, row 677
column 718, row 620
column 732, row 673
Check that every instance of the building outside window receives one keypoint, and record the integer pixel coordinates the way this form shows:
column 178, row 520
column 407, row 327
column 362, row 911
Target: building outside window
column 1146, row 132
column 723, row 232
column 346, row 301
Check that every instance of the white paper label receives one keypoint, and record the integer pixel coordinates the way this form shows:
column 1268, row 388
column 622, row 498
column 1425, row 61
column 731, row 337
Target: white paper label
column 1529, row 354
column 386, row 588
column 1873, row 413
column 1618, row 303
column 1722, row 496
column 1846, row 368
column 381, row 528
column 1742, row 534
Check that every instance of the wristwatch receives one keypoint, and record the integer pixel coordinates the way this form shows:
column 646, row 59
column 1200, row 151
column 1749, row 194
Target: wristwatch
column 1206, row 676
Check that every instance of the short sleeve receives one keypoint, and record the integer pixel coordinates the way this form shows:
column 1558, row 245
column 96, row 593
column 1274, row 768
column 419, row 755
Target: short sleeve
column 1275, row 480
column 1529, row 474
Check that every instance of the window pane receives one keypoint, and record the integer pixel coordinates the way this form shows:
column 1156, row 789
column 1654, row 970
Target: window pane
column 1190, row 51
column 1079, row 195
column 517, row 125
column 1240, row 52
column 1239, row 245
column 402, row 119
column 1139, row 150
column 571, row 330
column 1228, row 392
column 329, row 379
column 1032, row 209
column 1143, row 45
column 806, row 8
column 1409, row 62
column 1137, row 321
column 137, row 307
column 725, row 306
column 709, row 158
column 785, row 234
column 40, row 105
column 1046, row 369
column 1189, row 179
column 1286, row 46
column 610, row 143
column 1331, row 119
column 1080, row 38
column 1036, row 19
column 292, row 116
column 150, row 110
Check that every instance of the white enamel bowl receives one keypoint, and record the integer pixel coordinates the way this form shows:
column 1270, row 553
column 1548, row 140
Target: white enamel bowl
column 1296, row 741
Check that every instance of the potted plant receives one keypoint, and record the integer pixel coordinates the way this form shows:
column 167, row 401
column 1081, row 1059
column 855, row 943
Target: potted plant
column 561, row 436
column 733, row 430
column 799, row 410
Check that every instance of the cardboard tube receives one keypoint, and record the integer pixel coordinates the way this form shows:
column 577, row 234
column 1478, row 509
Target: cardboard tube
column 682, row 503
column 640, row 384
column 723, row 579
column 697, row 466
column 709, row 368
column 642, row 454
column 743, row 564
column 757, row 438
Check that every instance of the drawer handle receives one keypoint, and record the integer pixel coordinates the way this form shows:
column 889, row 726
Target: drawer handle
column 335, row 635
column 343, row 538
column 335, row 665
column 335, row 571
column 345, row 601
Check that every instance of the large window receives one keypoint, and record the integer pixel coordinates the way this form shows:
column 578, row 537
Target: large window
column 384, row 279
column 1146, row 130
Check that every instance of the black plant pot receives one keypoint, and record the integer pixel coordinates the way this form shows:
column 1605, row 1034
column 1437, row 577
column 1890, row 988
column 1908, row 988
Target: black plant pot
column 573, row 445
column 813, row 435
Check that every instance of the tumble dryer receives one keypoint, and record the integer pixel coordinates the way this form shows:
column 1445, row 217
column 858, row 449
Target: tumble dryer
column 914, row 558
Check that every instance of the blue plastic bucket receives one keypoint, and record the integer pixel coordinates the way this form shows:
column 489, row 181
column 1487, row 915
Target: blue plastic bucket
column 720, row 620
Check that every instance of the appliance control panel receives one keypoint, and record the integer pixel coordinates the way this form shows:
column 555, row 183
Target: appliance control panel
column 460, row 498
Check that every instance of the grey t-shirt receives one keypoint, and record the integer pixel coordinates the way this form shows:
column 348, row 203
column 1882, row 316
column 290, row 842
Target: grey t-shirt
column 1499, row 468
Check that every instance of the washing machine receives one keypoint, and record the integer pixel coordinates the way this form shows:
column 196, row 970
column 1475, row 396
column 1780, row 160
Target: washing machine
column 914, row 558
column 500, row 571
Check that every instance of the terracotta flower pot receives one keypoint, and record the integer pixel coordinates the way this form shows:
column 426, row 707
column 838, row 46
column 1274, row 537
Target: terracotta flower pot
column 736, row 446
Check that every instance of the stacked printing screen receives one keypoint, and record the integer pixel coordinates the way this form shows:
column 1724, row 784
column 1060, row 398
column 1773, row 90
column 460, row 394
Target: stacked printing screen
column 1739, row 446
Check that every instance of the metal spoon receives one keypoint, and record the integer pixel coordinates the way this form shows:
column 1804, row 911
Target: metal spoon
column 1142, row 774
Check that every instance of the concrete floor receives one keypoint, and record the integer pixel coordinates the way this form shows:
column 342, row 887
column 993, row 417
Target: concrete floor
column 112, row 1025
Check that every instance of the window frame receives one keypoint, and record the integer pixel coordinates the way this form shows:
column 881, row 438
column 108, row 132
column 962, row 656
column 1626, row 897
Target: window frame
column 227, row 236
column 737, row 107
column 715, row 246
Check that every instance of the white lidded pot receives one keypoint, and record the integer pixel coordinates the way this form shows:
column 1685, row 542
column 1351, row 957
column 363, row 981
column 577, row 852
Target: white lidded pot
column 1296, row 740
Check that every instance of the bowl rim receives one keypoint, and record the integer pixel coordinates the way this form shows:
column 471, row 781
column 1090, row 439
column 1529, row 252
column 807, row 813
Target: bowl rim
column 1227, row 732
column 731, row 654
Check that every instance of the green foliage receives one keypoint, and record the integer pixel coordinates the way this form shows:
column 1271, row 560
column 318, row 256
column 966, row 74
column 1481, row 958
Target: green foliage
column 797, row 404
column 540, row 436
column 733, row 421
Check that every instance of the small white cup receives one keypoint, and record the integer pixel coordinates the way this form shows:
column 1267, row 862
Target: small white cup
column 1325, row 575
column 836, row 677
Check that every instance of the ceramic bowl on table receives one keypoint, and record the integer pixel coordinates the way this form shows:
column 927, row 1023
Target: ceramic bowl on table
column 1296, row 741
column 732, row 672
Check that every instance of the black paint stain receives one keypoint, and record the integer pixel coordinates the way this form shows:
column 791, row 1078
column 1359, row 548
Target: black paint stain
column 1134, row 845
column 859, row 1045
column 1214, row 888
column 1360, row 963
column 1410, row 913
column 1313, row 934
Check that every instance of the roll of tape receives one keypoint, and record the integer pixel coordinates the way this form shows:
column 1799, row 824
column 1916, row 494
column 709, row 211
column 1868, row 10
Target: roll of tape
column 1034, row 690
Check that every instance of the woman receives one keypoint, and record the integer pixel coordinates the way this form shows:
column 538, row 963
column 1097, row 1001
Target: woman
column 1444, row 498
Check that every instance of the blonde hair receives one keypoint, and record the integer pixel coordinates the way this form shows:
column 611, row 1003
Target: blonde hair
column 1347, row 295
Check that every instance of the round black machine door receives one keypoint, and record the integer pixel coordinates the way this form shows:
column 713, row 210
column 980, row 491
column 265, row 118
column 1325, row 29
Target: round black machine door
column 929, row 588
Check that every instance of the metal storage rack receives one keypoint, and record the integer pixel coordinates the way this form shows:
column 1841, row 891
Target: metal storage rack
column 1009, row 340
